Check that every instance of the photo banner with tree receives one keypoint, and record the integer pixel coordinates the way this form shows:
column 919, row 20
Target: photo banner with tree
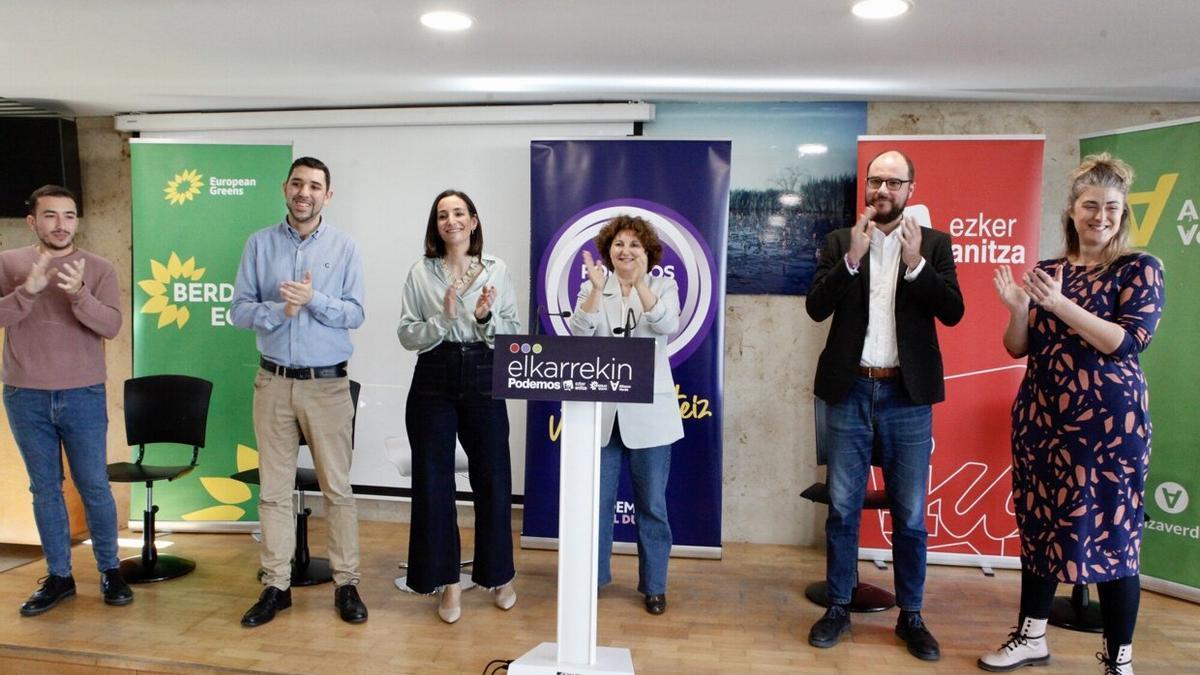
column 792, row 182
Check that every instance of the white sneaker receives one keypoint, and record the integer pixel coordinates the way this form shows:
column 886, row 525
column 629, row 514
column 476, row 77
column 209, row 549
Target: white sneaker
column 1024, row 647
column 1122, row 665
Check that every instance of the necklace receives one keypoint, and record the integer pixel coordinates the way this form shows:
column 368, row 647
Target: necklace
column 463, row 282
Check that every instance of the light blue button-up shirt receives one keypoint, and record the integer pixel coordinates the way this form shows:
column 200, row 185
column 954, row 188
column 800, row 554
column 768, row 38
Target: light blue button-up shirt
column 320, row 334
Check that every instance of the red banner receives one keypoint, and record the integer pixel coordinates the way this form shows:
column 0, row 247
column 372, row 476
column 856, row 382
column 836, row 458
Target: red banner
column 986, row 192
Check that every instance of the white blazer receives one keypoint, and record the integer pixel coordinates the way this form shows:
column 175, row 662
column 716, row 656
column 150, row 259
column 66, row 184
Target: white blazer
column 643, row 425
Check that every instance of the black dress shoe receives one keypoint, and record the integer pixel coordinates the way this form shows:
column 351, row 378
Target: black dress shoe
column 656, row 604
column 272, row 600
column 830, row 628
column 349, row 606
column 114, row 589
column 921, row 643
column 54, row 589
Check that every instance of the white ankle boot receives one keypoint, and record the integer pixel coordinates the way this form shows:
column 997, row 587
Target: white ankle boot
column 1025, row 646
column 1122, row 665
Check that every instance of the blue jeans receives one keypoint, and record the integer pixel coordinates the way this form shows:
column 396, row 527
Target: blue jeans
column 649, row 468
column 45, row 423
column 878, row 414
column 451, row 396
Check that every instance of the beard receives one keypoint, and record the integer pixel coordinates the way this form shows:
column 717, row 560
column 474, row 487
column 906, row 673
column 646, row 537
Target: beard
column 887, row 209
column 314, row 213
column 49, row 245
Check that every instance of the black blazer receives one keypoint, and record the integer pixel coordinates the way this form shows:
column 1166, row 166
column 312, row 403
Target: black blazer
column 933, row 294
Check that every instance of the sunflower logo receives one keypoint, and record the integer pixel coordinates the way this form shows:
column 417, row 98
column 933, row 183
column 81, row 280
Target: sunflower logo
column 228, row 492
column 156, row 287
column 183, row 187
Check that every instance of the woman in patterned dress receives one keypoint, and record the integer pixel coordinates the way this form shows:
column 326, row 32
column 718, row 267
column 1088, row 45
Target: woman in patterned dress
column 1080, row 422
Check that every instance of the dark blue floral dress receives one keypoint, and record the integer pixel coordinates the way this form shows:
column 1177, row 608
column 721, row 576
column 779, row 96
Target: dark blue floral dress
column 1081, row 428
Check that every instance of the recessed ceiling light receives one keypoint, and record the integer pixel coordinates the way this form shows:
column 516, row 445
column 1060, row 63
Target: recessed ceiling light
column 448, row 21
column 880, row 9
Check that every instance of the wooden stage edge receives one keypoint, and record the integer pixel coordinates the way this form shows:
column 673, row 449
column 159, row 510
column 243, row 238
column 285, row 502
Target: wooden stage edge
column 745, row 613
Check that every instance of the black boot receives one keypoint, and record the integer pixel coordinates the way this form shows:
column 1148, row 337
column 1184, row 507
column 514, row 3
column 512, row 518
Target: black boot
column 114, row 589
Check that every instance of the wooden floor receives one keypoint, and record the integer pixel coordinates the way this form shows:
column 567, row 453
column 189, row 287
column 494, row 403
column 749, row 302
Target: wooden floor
column 743, row 614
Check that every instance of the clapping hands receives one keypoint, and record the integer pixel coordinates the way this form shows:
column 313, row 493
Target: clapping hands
column 596, row 272
column 860, row 235
column 1011, row 293
column 296, row 294
column 1044, row 289
column 483, row 306
column 1037, row 286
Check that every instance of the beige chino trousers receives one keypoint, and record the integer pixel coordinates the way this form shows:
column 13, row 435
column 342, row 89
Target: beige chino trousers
column 323, row 410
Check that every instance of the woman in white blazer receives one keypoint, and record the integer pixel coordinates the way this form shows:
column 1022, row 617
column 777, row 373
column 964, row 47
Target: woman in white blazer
column 638, row 433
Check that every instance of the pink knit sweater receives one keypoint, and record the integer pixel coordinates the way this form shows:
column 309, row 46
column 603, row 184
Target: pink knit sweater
column 53, row 340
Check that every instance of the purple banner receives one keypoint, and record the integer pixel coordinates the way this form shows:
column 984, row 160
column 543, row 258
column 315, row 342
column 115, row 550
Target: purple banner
column 682, row 188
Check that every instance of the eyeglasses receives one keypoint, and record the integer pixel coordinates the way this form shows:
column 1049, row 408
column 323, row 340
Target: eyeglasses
column 893, row 183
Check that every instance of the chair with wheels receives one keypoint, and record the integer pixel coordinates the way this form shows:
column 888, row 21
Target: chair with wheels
column 865, row 597
column 160, row 409
column 306, row 570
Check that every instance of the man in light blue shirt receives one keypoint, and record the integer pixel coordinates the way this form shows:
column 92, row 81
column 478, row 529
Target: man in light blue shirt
column 300, row 288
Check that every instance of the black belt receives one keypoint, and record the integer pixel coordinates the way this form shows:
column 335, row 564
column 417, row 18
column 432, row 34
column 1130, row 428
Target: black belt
column 337, row 370
column 461, row 347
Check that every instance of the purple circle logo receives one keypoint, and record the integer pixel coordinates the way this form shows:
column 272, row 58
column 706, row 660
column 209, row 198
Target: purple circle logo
column 686, row 259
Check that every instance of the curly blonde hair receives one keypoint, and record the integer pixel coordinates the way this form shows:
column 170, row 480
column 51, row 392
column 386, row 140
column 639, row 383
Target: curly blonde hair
column 1102, row 170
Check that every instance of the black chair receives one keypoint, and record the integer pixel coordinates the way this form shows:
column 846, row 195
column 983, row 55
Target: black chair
column 306, row 570
column 865, row 597
column 1077, row 612
column 160, row 409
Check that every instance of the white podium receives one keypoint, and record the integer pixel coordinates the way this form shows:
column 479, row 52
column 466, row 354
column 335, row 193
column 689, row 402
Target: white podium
column 578, row 520
column 575, row 651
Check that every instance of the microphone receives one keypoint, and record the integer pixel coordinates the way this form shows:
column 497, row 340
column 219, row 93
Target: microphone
column 541, row 311
column 630, row 323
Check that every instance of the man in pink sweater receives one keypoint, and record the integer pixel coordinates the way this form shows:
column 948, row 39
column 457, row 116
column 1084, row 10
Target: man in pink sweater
column 57, row 306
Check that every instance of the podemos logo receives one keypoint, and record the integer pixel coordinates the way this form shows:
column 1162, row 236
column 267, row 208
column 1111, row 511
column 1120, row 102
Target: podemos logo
column 686, row 259
column 174, row 286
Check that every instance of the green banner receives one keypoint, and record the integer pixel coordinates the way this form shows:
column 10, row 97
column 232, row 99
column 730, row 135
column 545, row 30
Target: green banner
column 194, row 205
column 1165, row 198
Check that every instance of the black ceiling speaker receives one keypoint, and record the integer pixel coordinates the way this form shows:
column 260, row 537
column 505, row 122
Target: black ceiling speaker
column 35, row 151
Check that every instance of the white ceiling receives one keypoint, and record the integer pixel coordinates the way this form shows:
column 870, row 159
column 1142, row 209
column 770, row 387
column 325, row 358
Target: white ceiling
column 90, row 57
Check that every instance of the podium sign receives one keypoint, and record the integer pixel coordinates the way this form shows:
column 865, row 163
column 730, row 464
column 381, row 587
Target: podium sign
column 581, row 372
column 564, row 368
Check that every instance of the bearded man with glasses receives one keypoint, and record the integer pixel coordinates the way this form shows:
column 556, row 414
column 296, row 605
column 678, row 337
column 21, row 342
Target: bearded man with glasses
column 885, row 281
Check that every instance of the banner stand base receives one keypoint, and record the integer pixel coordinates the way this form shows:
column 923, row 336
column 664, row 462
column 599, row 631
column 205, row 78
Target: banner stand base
column 543, row 660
